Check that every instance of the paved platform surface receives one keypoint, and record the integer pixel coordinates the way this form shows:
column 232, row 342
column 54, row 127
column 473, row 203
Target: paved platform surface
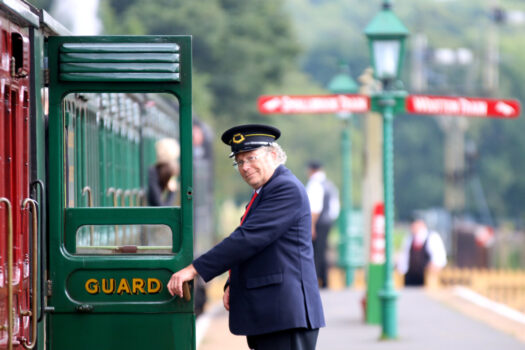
column 426, row 320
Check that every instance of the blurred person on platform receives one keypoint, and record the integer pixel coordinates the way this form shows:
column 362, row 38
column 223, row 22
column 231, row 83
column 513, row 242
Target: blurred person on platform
column 423, row 252
column 325, row 206
column 272, row 293
column 162, row 177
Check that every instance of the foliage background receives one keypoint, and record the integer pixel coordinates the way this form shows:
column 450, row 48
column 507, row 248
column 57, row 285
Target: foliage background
column 243, row 49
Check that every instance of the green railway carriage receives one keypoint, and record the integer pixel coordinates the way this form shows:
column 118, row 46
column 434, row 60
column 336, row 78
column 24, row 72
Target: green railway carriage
column 85, row 260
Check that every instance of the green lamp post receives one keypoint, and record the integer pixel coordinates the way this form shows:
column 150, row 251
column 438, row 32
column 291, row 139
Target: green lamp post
column 386, row 35
column 343, row 83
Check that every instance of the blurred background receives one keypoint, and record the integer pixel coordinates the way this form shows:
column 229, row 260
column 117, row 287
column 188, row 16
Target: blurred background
column 463, row 173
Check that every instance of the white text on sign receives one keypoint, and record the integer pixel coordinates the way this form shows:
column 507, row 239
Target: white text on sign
column 313, row 104
column 463, row 106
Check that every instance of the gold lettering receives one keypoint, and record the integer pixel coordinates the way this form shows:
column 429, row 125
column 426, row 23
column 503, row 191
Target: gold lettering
column 123, row 287
column 92, row 286
column 154, row 286
column 138, row 286
column 108, row 285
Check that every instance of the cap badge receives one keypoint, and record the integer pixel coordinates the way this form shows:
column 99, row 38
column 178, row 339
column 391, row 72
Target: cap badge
column 238, row 138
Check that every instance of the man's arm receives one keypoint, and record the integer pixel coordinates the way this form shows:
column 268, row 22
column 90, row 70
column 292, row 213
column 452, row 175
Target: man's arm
column 315, row 193
column 272, row 217
column 404, row 256
column 154, row 191
column 178, row 278
column 436, row 250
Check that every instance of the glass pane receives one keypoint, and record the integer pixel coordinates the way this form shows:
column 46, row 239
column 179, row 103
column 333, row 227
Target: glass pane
column 121, row 150
column 124, row 239
column 386, row 55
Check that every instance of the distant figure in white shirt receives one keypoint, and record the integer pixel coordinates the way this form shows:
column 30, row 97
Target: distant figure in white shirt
column 325, row 206
column 423, row 252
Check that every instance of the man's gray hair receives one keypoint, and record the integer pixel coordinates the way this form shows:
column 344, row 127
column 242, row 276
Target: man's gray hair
column 281, row 154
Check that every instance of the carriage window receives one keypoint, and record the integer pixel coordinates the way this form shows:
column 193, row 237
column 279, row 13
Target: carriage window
column 122, row 150
column 17, row 54
column 124, row 239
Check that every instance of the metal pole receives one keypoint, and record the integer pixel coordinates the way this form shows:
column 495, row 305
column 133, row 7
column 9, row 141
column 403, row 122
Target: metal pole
column 346, row 212
column 388, row 295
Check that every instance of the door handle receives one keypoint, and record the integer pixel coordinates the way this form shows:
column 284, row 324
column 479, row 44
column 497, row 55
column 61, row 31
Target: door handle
column 29, row 345
column 115, row 192
column 87, row 190
column 42, row 248
column 9, row 272
column 186, row 294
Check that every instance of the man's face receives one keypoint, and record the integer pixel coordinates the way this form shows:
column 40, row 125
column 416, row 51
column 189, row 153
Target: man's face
column 417, row 226
column 257, row 166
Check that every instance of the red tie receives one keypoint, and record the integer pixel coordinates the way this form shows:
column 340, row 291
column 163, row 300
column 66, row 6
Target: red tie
column 417, row 245
column 248, row 207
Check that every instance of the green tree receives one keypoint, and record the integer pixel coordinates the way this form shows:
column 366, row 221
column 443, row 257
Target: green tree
column 240, row 50
column 238, row 47
column 331, row 31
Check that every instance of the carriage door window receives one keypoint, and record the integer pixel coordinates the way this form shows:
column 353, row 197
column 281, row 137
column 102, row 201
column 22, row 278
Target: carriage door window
column 17, row 55
column 122, row 153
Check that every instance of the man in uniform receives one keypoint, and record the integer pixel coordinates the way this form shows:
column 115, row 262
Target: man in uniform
column 272, row 291
column 423, row 252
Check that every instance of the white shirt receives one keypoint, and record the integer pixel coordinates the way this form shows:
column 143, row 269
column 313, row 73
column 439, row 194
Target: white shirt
column 435, row 249
column 315, row 191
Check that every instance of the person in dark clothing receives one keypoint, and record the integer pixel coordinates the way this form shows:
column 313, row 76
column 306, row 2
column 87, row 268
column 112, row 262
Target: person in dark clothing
column 272, row 293
column 324, row 204
column 423, row 251
column 162, row 183
column 160, row 191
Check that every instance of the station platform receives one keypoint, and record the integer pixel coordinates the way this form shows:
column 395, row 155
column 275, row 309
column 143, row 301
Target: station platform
column 427, row 319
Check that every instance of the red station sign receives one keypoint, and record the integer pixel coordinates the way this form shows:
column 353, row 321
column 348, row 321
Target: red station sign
column 286, row 104
column 414, row 104
column 462, row 106
column 377, row 238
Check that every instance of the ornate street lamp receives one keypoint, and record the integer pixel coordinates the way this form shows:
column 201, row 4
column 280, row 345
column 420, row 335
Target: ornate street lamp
column 386, row 35
column 343, row 83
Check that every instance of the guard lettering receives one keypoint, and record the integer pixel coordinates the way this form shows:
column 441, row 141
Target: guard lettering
column 92, row 286
column 131, row 286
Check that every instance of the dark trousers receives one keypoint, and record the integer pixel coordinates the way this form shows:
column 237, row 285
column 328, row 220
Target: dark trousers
column 290, row 339
column 320, row 244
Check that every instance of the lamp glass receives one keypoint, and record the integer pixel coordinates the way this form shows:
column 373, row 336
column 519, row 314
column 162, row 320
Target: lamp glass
column 386, row 57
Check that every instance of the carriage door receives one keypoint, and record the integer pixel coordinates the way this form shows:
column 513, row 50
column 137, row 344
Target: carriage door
column 16, row 288
column 110, row 257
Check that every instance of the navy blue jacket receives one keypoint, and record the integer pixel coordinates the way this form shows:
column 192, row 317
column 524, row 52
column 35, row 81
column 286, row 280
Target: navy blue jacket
column 273, row 285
